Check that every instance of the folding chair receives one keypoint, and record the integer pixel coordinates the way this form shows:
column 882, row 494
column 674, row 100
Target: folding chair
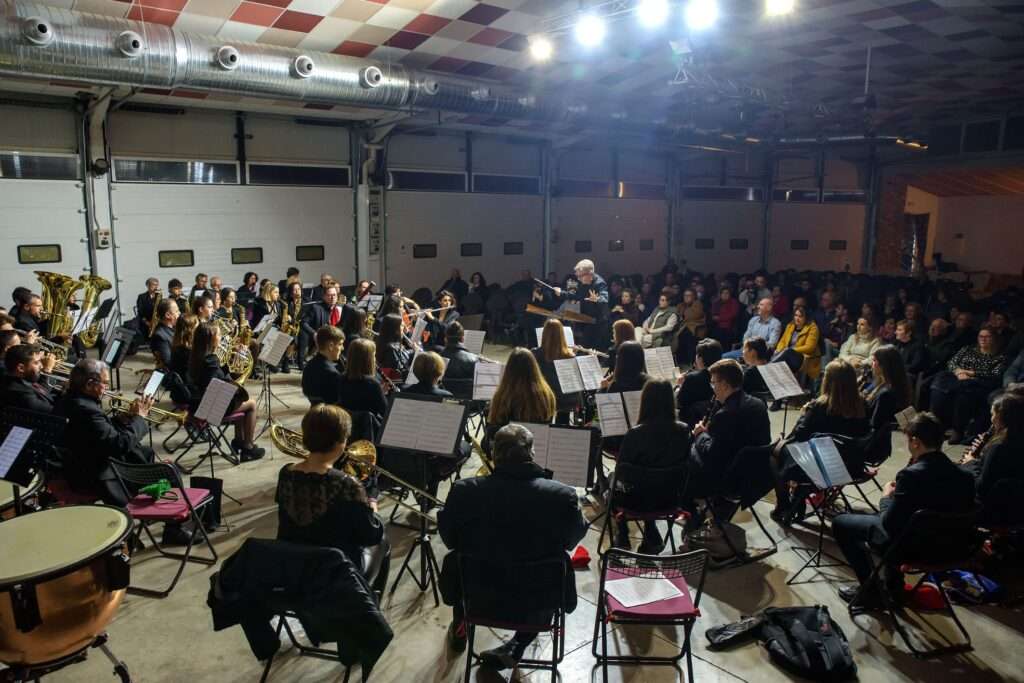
column 146, row 511
column 657, row 491
column 915, row 552
column 682, row 571
column 877, row 448
column 537, row 589
column 214, row 436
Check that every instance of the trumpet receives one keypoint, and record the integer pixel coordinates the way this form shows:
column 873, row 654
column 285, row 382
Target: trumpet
column 56, row 350
column 157, row 416
column 358, row 461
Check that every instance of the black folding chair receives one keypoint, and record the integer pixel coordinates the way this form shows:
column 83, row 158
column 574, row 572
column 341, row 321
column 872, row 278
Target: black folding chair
column 645, row 494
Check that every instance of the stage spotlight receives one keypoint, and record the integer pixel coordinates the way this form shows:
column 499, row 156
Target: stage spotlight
column 590, row 30
column 701, row 14
column 541, row 48
column 776, row 8
column 652, row 13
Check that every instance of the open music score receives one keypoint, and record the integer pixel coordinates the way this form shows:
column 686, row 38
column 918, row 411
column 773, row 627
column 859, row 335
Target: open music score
column 780, row 380
column 424, row 425
column 474, row 341
column 570, row 341
column 411, row 378
column 418, row 329
column 618, row 413
column 904, row 417
column 261, row 328
column 563, row 450
column 153, row 385
column 659, row 363
column 216, row 399
column 275, row 345
column 581, row 373
column 370, row 302
column 820, row 460
column 11, row 448
column 82, row 322
column 486, row 377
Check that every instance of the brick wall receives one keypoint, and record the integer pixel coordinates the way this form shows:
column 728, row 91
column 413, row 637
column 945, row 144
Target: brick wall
column 890, row 225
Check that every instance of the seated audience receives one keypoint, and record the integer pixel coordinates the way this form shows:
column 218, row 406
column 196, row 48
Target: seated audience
column 360, row 390
column 861, row 344
column 930, row 482
column 755, row 354
column 695, row 392
column 517, row 514
column 322, row 376
column 798, row 346
column 693, row 327
column 1001, row 462
column 890, row 387
column 724, row 312
column 660, row 324
column 911, row 348
column 959, row 393
column 837, row 331
column 22, row 385
column 763, row 325
column 626, row 309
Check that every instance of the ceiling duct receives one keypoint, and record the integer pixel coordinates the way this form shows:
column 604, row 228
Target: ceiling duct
column 46, row 43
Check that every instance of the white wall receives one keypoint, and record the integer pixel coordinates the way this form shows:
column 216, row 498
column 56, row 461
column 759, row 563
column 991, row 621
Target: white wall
column 991, row 233
column 720, row 221
column 817, row 223
column 448, row 220
column 603, row 220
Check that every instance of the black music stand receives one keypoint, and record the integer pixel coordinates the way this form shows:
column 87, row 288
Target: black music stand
column 429, row 570
column 267, row 396
column 115, row 352
column 47, row 432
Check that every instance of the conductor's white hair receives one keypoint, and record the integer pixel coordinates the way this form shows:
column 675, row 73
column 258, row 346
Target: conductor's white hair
column 585, row 266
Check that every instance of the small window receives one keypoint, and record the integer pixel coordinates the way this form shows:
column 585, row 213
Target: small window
column 38, row 167
column 584, row 188
column 799, row 245
column 646, row 245
column 724, row 194
column 583, row 246
column 424, row 251
column 310, row 252
column 739, row 244
column 513, row 249
column 39, row 253
column 505, row 184
column 309, row 176
column 247, row 255
column 837, row 245
column 427, row 181
column 641, row 191
column 472, row 249
column 616, row 245
column 187, row 172
column 843, row 196
column 784, row 195
column 704, row 243
column 180, row 258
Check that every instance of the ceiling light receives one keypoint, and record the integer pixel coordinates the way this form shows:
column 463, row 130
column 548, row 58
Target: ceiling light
column 652, row 13
column 590, row 30
column 701, row 14
column 775, row 8
column 541, row 48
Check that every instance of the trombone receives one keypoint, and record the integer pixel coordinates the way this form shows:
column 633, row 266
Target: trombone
column 359, row 461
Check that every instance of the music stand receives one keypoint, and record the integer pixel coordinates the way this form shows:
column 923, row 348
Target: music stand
column 212, row 410
column 47, row 432
column 272, row 350
column 405, row 436
column 117, row 350
column 782, row 385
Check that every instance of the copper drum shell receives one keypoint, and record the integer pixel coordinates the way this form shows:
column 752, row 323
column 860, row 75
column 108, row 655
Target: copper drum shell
column 74, row 608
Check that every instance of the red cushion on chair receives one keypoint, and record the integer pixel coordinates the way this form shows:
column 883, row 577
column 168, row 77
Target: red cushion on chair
column 673, row 608
column 149, row 510
column 233, row 417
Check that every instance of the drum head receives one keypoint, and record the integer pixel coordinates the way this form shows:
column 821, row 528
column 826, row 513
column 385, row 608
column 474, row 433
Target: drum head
column 54, row 541
column 7, row 491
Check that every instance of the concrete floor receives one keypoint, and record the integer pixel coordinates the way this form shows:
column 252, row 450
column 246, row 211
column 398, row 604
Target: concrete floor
column 172, row 639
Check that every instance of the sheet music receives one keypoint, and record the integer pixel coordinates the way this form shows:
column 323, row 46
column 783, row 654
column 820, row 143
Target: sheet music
column 486, row 377
column 780, row 380
column 402, row 426
column 418, row 329
column 263, row 324
column 804, row 458
column 540, row 440
column 660, row 363
column 275, row 345
column 112, row 349
column 568, row 455
column 569, row 378
column 198, row 293
column 82, row 322
column 428, row 426
column 904, row 417
column 12, row 447
column 216, row 400
column 642, row 591
column 632, row 401
column 370, row 302
column 590, row 371
column 612, row 415
column 153, row 384
column 830, row 461
column 570, row 341
column 474, row 341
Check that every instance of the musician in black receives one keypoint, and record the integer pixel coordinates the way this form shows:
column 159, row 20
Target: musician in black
column 174, row 292
column 458, row 376
column 755, row 354
column 393, row 357
column 9, row 338
column 695, row 392
column 162, row 341
column 437, row 323
column 517, row 514
column 20, row 297
column 591, row 291
column 230, row 309
column 203, row 308
column 21, row 386
column 200, row 287
column 316, row 315
column 326, row 280
column 144, row 305
column 30, row 313
column 289, row 275
column 321, row 378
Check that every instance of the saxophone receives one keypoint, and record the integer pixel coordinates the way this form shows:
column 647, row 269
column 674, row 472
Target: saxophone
column 153, row 319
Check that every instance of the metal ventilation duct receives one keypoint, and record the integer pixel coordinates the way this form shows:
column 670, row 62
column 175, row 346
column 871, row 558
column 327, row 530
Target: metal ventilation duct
column 42, row 42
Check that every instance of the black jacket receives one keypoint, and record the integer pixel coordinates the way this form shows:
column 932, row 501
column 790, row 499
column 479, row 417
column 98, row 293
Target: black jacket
column 461, row 363
column 1000, row 461
column 144, row 305
column 363, row 394
column 438, row 328
column 753, row 381
column 517, row 513
column 26, row 323
column 423, row 389
column 321, row 381
column 816, row 420
column 914, row 354
column 934, row 482
column 883, row 407
column 742, row 421
column 394, row 356
column 262, row 308
column 331, row 597
column 316, row 315
column 18, row 393
column 695, row 395
column 160, row 344
column 656, row 444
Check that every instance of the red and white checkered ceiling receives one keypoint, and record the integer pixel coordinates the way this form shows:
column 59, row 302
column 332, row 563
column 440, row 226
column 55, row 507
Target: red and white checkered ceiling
column 930, row 59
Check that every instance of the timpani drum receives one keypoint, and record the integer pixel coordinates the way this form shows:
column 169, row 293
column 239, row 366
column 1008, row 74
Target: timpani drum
column 63, row 574
column 25, row 493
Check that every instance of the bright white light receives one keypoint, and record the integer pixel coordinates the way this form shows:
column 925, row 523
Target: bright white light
column 652, row 13
column 541, row 48
column 590, row 30
column 701, row 14
column 775, row 8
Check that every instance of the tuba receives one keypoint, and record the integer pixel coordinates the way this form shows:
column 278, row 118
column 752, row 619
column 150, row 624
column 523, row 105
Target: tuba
column 57, row 290
column 94, row 285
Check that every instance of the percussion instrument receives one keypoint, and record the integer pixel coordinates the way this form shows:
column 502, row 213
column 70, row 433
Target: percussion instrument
column 7, row 510
column 63, row 574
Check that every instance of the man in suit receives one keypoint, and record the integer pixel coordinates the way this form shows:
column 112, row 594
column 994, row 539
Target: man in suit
column 144, row 305
column 517, row 514
column 321, row 378
column 20, row 387
column 695, row 394
column 740, row 421
column 314, row 316
column 458, row 376
column 318, row 292
column 160, row 343
column 930, row 482
column 199, row 287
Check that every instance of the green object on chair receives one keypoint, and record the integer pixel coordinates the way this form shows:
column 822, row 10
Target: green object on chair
column 158, row 490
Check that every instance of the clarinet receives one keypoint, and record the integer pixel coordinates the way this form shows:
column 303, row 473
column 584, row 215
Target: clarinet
column 978, row 445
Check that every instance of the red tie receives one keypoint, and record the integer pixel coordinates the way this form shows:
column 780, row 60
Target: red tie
column 335, row 316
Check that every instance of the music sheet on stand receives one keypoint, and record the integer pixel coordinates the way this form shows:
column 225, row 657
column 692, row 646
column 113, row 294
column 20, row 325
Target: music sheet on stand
column 263, row 328
column 11, row 448
column 274, row 347
column 418, row 329
column 216, row 400
column 830, row 461
column 568, row 455
column 804, row 458
column 474, row 341
column 540, row 440
column 486, row 377
column 590, row 371
column 611, row 414
column 423, row 426
column 569, row 378
column 660, row 363
column 780, row 380
column 82, row 322
column 570, row 340
column 632, row 401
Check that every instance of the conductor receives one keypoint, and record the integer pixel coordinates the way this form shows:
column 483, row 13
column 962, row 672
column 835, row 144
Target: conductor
column 591, row 291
